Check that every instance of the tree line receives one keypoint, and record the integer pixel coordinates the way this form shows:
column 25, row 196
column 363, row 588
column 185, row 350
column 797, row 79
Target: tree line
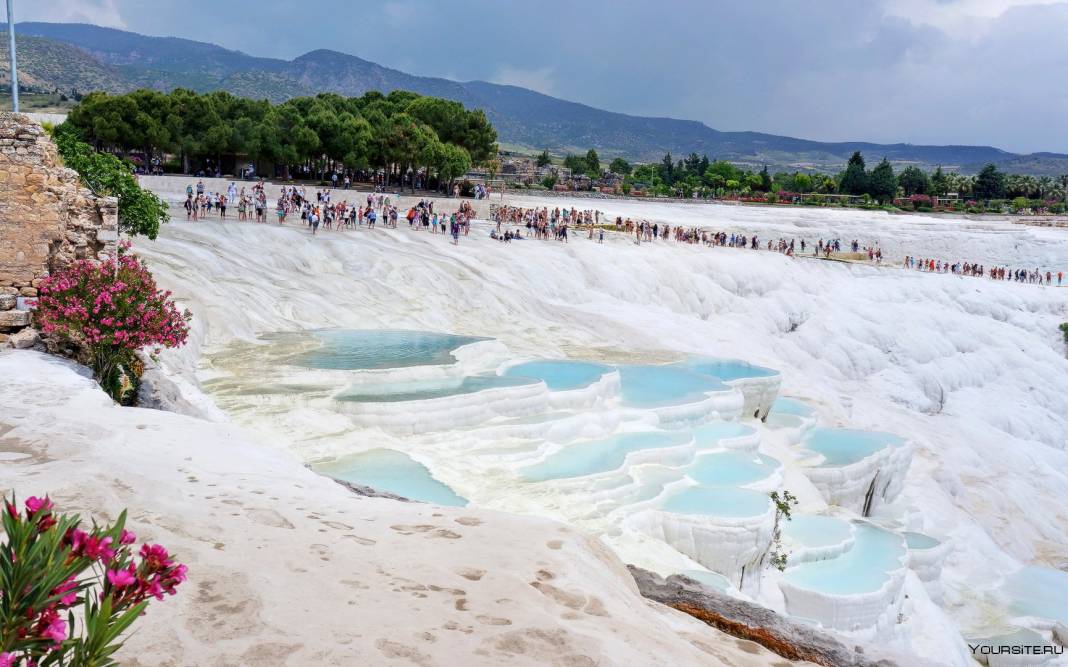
column 697, row 174
column 396, row 134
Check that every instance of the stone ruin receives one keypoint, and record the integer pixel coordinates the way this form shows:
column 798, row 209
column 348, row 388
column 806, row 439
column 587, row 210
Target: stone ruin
column 47, row 221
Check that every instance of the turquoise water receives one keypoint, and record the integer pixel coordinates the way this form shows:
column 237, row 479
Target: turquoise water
column 731, row 468
column 357, row 349
column 718, row 501
column 659, row 386
column 426, row 390
column 711, row 433
column 817, row 531
column 708, row 578
column 842, row 446
column 791, row 406
column 1038, row 591
column 727, row 369
column 920, row 541
column 393, row 471
column 560, row 375
column 597, row 456
column 862, row 569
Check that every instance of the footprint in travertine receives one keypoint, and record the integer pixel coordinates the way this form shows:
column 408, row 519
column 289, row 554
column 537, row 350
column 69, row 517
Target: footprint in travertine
column 269, row 517
column 453, row 625
column 450, row 591
column 433, row 531
column 560, row 596
column 493, row 620
column 409, row 529
column 224, row 606
column 544, row 575
column 321, row 550
column 396, row 650
column 471, row 573
column 365, row 541
column 355, row 583
column 547, row 647
column 461, row 604
column 337, row 525
column 554, row 544
column 469, row 521
column 591, row 605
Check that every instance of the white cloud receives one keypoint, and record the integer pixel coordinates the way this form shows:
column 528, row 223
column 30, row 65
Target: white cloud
column 99, row 12
column 540, row 79
column 960, row 18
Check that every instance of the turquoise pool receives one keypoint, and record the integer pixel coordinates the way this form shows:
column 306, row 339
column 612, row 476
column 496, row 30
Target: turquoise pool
column 842, row 446
column 429, row 389
column 817, row 531
column 791, row 406
column 559, row 375
column 711, row 433
column 731, row 468
column 358, row 349
column 661, row 386
column 708, row 578
column 1038, row 591
column 599, row 456
column 728, row 369
column 393, row 471
column 920, row 541
column 727, row 502
column 863, row 569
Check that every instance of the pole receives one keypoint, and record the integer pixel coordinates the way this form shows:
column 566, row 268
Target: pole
column 14, row 66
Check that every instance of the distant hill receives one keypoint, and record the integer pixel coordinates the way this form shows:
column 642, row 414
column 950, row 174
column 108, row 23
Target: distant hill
column 87, row 57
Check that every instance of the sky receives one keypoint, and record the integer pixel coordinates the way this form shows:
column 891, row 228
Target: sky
column 991, row 72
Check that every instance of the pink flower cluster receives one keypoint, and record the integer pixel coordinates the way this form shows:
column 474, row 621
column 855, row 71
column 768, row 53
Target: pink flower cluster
column 111, row 304
column 38, row 617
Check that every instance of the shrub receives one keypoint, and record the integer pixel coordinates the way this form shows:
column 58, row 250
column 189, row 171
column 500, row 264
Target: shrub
column 52, row 572
column 109, row 311
column 140, row 211
column 1064, row 330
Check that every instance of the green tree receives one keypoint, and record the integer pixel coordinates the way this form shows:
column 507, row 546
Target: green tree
column 939, row 184
column 854, row 180
column 914, row 181
column 765, row 180
column 593, row 164
column 989, row 184
column 140, row 211
column 882, row 184
column 620, row 166
column 543, row 159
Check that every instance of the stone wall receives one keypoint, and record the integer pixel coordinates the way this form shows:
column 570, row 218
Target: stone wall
column 47, row 220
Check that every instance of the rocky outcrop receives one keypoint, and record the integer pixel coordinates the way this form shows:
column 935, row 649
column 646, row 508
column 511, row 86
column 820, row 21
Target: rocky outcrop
column 47, row 219
column 788, row 638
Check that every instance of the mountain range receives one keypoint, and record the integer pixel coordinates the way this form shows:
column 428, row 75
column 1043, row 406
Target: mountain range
column 83, row 57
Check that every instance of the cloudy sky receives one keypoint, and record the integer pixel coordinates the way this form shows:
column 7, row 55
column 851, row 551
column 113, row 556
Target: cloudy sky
column 920, row 71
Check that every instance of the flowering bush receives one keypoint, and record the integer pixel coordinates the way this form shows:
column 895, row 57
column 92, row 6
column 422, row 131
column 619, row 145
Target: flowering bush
column 109, row 310
column 53, row 572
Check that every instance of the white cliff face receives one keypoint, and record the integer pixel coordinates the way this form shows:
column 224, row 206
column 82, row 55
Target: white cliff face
column 966, row 369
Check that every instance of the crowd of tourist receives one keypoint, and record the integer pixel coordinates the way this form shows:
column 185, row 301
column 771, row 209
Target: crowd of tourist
column 1035, row 277
column 540, row 223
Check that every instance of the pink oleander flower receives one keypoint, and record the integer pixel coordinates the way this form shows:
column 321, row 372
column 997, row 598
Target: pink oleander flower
column 70, row 584
column 35, row 504
column 122, row 578
column 99, row 548
column 127, row 537
column 7, row 660
column 155, row 557
column 56, row 630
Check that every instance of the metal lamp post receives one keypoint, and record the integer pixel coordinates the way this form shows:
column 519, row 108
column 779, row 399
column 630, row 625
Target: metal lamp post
column 14, row 67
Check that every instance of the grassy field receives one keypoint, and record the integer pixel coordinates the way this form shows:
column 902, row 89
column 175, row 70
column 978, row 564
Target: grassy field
column 38, row 102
